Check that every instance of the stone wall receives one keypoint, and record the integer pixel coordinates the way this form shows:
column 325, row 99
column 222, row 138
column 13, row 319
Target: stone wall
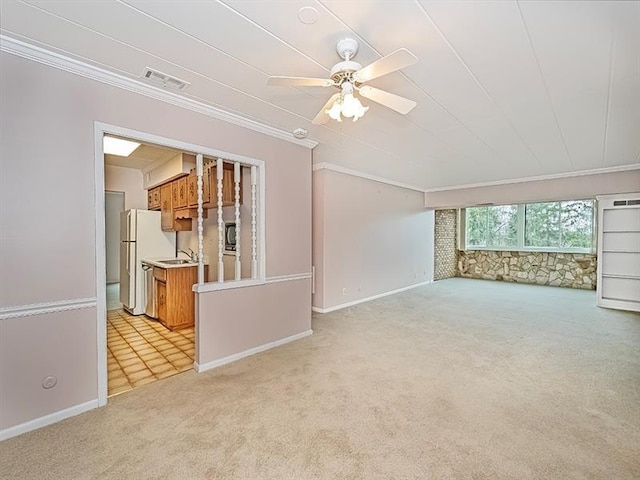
column 445, row 262
column 573, row 270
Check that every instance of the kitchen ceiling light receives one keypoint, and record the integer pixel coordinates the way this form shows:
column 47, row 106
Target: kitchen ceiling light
column 118, row 146
column 346, row 104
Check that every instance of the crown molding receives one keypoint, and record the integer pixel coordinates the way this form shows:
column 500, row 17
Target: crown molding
column 553, row 176
column 46, row 57
column 357, row 173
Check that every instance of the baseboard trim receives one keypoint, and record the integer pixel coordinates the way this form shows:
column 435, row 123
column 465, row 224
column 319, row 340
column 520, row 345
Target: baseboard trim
column 368, row 299
column 47, row 420
column 252, row 351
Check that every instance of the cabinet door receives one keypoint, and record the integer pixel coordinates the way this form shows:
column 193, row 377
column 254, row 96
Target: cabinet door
column 182, row 193
column 206, row 182
column 166, row 210
column 179, row 193
column 161, row 291
column 156, row 198
column 229, row 186
column 192, row 189
column 153, row 199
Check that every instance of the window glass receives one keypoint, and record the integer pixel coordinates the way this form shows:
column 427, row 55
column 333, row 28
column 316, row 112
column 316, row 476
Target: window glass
column 502, row 228
column 494, row 226
column 562, row 225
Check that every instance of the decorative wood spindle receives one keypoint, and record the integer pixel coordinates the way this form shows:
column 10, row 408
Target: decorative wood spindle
column 199, row 171
column 236, row 180
column 254, row 247
column 221, row 232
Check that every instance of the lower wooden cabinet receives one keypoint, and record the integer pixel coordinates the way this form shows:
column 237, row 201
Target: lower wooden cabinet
column 176, row 300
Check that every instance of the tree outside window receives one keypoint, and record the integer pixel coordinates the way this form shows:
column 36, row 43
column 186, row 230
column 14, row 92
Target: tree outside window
column 566, row 225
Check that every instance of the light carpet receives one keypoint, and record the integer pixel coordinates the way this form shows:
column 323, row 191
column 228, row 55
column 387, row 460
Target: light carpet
column 461, row 379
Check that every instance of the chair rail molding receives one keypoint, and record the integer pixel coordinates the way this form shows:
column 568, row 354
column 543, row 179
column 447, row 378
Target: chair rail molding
column 47, row 307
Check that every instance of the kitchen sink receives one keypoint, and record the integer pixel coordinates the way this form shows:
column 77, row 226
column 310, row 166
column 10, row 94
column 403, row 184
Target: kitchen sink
column 175, row 261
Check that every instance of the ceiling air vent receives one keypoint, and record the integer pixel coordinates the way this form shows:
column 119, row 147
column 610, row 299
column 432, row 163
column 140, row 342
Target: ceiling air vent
column 164, row 80
column 620, row 203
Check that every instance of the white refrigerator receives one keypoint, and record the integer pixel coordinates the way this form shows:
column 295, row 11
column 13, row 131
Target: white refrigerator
column 141, row 238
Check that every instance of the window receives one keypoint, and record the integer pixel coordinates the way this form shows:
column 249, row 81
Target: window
column 551, row 226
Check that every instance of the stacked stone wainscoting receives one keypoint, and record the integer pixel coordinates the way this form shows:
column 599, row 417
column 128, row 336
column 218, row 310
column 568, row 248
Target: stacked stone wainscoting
column 445, row 264
column 573, row 270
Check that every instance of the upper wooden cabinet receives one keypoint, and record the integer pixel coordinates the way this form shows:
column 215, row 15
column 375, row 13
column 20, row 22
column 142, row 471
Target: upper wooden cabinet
column 170, row 192
column 153, row 198
column 192, row 187
column 166, row 211
column 228, row 186
column 178, row 199
column 179, row 187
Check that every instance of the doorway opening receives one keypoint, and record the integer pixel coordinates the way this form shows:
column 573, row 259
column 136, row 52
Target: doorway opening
column 177, row 185
column 143, row 344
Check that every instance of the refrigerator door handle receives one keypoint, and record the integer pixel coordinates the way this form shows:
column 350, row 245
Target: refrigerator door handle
column 128, row 237
column 128, row 250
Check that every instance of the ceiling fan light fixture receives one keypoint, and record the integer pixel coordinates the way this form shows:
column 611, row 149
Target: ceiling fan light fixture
column 349, row 76
column 346, row 105
column 334, row 111
column 351, row 107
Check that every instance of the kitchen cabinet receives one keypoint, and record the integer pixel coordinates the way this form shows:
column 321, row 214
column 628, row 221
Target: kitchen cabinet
column 177, row 200
column 192, row 187
column 166, row 212
column 168, row 220
column 176, row 300
column 153, row 199
column 179, row 191
column 228, row 186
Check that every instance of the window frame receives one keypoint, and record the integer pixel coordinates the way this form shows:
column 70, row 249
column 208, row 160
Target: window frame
column 520, row 233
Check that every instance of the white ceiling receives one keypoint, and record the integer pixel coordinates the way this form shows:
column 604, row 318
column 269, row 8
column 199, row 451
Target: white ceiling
column 142, row 157
column 505, row 89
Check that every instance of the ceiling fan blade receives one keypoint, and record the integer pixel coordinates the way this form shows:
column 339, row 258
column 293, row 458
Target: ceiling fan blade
column 390, row 100
column 322, row 117
column 299, row 82
column 394, row 61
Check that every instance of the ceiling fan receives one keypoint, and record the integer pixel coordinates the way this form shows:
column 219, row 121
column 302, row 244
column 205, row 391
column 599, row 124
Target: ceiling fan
column 349, row 77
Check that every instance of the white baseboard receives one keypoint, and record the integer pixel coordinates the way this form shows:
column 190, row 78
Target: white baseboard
column 47, row 420
column 251, row 351
column 368, row 299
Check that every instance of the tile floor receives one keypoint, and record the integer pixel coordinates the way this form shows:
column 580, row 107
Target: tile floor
column 141, row 351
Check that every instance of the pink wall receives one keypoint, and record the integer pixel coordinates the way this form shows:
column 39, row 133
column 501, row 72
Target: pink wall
column 48, row 249
column 576, row 187
column 129, row 181
column 32, row 348
column 375, row 238
column 229, row 324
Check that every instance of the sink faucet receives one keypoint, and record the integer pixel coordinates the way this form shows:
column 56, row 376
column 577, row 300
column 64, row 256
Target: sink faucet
column 191, row 254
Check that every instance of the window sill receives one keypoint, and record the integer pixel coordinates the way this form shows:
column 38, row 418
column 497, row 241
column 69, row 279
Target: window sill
column 585, row 251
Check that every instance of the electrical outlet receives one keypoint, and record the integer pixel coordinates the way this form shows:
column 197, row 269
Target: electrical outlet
column 49, row 382
column 344, row 291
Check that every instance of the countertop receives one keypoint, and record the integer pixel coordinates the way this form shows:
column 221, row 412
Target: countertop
column 156, row 262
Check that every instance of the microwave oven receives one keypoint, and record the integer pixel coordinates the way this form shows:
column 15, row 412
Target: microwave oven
column 230, row 236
